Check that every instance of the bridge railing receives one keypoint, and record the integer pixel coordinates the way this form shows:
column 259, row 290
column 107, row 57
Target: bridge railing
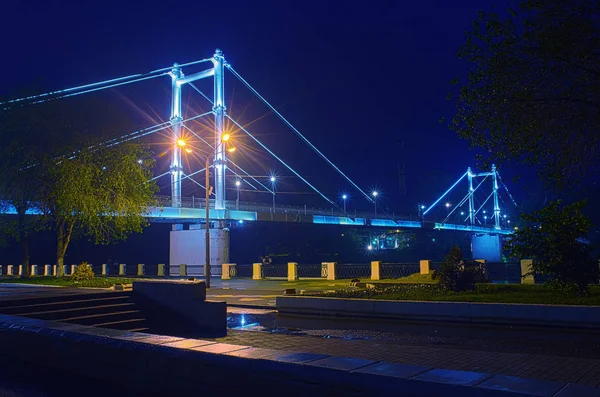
column 274, row 271
column 193, row 202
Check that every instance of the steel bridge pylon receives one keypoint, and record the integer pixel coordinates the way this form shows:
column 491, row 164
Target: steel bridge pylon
column 178, row 80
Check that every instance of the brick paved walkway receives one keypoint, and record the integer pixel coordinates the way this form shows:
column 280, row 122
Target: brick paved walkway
column 565, row 369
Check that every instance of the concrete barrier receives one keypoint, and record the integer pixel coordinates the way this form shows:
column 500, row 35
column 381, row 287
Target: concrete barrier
column 526, row 268
column 424, row 266
column 376, row 270
column 292, row 271
column 228, row 270
column 257, row 273
column 460, row 312
column 186, row 298
column 331, row 271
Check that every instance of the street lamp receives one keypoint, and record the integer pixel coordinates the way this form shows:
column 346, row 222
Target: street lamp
column 344, row 197
column 208, row 189
column 237, row 201
column 272, row 179
column 375, row 194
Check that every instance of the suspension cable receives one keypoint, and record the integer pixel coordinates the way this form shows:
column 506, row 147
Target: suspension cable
column 296, row 131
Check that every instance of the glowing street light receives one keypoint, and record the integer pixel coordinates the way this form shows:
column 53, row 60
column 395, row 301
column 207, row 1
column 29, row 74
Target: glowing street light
column 225, row 137
column 448, row 205
column 231, row 149
column 370, row 247
column 188, row 150
column 344, row 198
column 181, row 143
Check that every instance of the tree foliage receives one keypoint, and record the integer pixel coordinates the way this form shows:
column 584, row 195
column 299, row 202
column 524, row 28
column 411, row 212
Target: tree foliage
column 533, row 92
column 102, row 193
column 554, row 240
column 457, row 274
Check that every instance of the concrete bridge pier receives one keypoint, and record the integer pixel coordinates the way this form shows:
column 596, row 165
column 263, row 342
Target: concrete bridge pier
column 188, row 247
column 487, row 247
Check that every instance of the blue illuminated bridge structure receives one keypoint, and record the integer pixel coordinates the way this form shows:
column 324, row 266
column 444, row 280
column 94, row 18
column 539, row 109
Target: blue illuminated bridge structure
column 215, row 129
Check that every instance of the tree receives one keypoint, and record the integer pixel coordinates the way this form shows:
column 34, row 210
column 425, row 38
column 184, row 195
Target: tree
column 102, row 193
column 533, row 91
column 554, row 239
column 22, row 140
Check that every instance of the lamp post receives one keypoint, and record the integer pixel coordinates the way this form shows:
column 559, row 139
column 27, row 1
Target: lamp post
column 208, row 189
column 375, row 194
column 344, row 197
column 237, row 201
column 272, row 179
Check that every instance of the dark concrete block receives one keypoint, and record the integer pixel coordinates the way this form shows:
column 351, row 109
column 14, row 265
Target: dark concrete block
column 171, row 290
column 576, row 390
column 464, row 378
column 342, row 363
column 521, row 385
column 395, row 370
column 300, row 358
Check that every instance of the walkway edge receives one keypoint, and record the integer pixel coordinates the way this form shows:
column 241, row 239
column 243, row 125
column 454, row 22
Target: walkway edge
column 456, row 312
column 171, row 366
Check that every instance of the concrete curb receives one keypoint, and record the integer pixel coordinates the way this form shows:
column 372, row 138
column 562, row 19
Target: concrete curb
column 458, row 312
column 170, row 366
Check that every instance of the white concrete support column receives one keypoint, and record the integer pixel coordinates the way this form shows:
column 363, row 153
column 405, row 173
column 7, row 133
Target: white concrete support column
column 257, row 271
column 34, row 270
column 10, row 270
column 161, row 270
column 47, row 270
column 104, row 271
column 140, row 269
column 220, row 160
column 292, row 271
column 73, row 268
column 526, row 268
column 122, row 269
column 331, row 270
column 424, row 266
column 376, row 270
column 182, row 270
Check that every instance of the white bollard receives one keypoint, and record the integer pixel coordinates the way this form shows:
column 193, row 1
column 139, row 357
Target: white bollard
column 161, row 270
column 21, row 270
column 122, row 269
column 331, row 270
column 10, row 270
column 526, row 268
column 34, row 270
column 47, row 270
column 140, row 269
column 104, row 270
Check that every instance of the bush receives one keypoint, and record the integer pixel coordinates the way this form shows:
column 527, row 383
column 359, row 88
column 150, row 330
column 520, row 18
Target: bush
column 83, row 272
column 457, row 274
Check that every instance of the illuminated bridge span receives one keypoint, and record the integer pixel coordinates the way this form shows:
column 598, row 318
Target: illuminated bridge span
column 467, row 214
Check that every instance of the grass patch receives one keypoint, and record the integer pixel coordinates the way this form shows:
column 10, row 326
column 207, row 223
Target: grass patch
column 489, row 293
column 415, row 278
column 97, row 282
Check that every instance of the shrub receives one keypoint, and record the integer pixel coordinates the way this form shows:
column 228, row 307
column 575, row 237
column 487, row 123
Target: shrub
column 83, row 272
column 457, row 274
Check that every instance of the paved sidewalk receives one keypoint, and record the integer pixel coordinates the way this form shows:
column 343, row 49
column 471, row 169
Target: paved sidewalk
column 552, row 368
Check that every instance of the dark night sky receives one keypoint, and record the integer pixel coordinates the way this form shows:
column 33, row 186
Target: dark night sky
column 365, row 83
